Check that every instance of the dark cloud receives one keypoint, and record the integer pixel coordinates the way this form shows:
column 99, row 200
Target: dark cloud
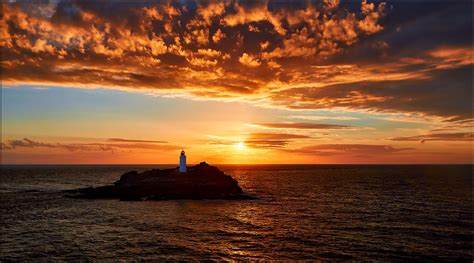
column 262, row 140
column 28, row 144
column 276, row 136
column 134, row 144
column 5, row 146
column 266, row 143
column 348, row 149
column 460, row 136
column 445, row 92
column 149, row 146
column 302, row 125
column 412, row 28
column 272, row 140
column 130, row 140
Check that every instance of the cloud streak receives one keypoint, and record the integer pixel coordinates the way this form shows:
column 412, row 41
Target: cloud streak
column 131, row 140
column 261, row 140
column 89, row 147
column 276, row 136
column 361, row 150
column 302, row 126
column 460, row 136
column 431, row 96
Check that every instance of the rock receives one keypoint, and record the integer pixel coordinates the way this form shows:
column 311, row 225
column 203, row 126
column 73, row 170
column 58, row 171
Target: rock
column 199, row 182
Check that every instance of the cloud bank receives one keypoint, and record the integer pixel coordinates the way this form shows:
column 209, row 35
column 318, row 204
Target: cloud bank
column 296, row 55
column 111, row 145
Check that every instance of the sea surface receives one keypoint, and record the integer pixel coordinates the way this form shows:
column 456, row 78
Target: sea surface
column 304, row 212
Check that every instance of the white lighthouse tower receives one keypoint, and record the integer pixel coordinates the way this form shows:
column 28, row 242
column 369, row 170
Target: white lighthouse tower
column 182, row 162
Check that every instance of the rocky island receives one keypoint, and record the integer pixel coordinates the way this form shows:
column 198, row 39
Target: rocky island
column 201, row 181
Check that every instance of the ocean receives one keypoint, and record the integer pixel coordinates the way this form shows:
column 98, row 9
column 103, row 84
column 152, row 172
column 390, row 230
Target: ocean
column 304, row 212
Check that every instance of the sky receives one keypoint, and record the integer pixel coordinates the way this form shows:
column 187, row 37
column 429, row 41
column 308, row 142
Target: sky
column 237, row 82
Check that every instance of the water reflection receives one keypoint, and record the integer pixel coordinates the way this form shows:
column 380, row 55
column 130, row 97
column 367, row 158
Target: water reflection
column 305, row 212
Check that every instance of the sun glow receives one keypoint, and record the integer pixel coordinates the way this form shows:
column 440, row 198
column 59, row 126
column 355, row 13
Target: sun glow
column 240, row 145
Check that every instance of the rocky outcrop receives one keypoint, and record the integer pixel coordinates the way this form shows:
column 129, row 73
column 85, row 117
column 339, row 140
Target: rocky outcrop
column 199, row 182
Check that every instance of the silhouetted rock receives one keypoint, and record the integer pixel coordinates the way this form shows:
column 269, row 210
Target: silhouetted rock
column 199, row 182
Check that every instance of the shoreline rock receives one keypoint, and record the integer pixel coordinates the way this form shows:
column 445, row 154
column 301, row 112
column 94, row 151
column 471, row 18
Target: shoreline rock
column 200, row 182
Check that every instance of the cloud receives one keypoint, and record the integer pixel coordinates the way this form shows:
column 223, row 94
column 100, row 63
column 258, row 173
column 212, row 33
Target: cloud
column 258, row 144
column 266, row 143
column 275, row 136
column 318, row 118
column 130, row 140
column 253, row 13
column 306, row 55
column 156, row 45
column 460, row 136
column 272, row 140
column 249, row 61
column 370, row 23
column 348, row 149
column 302, row 125
column 218, row 36
column 444, row 92
column 149, row 146
column 28, row 143
column 114, row 145
column 5, row 146
column 260, row 140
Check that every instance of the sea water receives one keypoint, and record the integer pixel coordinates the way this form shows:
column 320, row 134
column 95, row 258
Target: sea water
column 304, row 212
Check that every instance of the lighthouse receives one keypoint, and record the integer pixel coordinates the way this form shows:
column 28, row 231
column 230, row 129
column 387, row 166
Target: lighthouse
column 182, row 162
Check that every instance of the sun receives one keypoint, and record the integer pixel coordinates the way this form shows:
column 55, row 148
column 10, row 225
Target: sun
column 240, row 145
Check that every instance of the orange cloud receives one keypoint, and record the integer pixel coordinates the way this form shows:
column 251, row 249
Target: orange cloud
column 218, row 36
column 256, row 13
column 370, row 23
column 249, row 60
column 300, row 58
column 302, row 125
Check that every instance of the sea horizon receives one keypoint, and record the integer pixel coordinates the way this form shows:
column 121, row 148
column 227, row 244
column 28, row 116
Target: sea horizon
column 191, row 164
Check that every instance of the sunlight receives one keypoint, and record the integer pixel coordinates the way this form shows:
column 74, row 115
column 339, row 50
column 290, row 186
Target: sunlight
column 240, row 145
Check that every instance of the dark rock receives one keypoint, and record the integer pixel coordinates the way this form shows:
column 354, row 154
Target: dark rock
column 199, row 182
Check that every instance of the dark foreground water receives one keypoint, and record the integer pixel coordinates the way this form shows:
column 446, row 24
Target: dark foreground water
column 361, row 213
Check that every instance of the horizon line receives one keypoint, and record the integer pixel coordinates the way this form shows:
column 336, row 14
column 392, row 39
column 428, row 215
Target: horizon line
column 145, row 164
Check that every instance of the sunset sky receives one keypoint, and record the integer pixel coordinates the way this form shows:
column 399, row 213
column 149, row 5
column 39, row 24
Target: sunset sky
column 237, row 82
